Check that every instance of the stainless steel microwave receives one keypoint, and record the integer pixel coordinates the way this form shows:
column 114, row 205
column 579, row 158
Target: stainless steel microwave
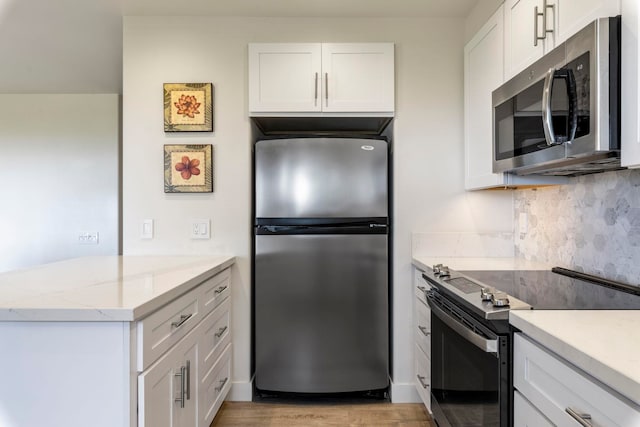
column 561, row 115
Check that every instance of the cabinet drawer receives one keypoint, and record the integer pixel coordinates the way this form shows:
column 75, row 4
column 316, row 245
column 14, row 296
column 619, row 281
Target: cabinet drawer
column 422, row 369
column 526, row 415
column 420, row 286
column 214, row 387
column 553, row 386
column 215, row 336
column 165, row 327
column 215, row 290
column 422, row 327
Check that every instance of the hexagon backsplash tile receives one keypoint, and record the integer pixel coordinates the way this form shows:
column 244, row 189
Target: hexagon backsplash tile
column 591, row 225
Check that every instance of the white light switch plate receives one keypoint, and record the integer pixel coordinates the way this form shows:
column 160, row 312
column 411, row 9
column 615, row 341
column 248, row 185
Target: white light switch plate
column 201, row 228
column 146, row 230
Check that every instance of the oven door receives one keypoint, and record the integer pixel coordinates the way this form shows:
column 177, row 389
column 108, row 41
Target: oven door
column 469, row 369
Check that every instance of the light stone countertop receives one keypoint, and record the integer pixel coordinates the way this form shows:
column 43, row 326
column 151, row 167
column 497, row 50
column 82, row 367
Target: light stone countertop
column 479, row 263
column 102, row 288
column 603, row 343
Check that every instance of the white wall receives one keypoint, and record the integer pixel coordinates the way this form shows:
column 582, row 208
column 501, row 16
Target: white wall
column 59, row 176
column 428, row 156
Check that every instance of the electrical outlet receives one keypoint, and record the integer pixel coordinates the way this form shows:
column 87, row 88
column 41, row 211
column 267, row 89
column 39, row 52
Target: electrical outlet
column 201, row 228
column 88, row 238
column 523, row 220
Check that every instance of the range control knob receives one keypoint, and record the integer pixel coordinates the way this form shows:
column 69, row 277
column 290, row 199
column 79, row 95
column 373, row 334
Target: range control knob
column 500, row 299
column 436, row 269
column 486, row 293
column 444, row 271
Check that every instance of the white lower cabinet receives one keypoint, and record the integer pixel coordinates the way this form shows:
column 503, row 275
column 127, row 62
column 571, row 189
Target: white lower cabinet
column 422, row 339
column 188, row 383
column 557, row 393
column 167, row 391
column 526, row 415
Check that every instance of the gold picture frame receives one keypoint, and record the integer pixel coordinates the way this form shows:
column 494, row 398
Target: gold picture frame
column 188, row 168
column 188, row 107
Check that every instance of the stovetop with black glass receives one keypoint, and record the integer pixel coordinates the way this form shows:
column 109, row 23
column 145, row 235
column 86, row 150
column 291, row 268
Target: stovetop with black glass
column 491, row 294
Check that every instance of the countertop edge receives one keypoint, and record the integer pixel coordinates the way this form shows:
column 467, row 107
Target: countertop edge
column 621, row 384
column 106, row 314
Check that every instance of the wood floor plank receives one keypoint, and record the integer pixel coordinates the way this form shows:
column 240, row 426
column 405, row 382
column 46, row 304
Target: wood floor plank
column 259, row 414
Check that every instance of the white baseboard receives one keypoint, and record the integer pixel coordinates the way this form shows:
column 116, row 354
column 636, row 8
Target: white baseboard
column 404, row 393
column 241, row 391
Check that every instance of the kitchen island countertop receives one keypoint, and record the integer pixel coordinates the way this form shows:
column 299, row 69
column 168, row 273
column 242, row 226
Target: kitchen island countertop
column 102, row 288
column 603, row 343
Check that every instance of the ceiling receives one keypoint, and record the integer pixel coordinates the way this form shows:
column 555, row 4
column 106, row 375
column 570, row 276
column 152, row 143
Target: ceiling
column 75, row 46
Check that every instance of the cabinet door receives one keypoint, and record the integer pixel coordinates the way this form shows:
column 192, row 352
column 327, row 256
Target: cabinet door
column 358, row 77
column 526, row 415
column 483, row 73
column 573, row 15
column 630, row 77
column 163, row 383
column 519, row 32
column 284, row 77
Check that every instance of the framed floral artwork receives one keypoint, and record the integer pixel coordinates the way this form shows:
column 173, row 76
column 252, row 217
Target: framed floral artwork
column 188, row 107
column 188, row 169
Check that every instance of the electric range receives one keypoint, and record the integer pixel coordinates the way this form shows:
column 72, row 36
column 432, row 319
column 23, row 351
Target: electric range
column 471, row 340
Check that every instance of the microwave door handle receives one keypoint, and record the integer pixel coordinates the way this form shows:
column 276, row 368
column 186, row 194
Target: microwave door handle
column 547, row 124
column 547, row 115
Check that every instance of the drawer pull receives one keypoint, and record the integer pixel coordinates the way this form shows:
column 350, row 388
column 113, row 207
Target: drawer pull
column 183, row 318
column 222, row 383
column 422, row 288
column 421, row 380
column 220, row 289
column 423, row 329
column 583, row 419
column 220, row 332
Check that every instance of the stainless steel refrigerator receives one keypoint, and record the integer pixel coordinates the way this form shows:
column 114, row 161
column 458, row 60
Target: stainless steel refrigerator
column 321, row 294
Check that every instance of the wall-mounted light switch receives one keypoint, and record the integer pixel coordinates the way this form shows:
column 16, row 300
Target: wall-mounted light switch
column 201, row 228
column 146, row 230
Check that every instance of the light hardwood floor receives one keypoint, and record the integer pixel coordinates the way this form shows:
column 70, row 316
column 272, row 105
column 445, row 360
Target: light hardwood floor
column 258, row 414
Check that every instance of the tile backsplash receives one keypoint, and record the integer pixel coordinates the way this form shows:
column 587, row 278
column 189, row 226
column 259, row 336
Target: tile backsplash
column 591, row 225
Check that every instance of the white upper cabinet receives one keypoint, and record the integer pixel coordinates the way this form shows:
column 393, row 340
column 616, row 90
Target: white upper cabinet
column 284, row 77
column 630, row 76
column 321, row 77
column 483, row 73
column 358, row 77
column 521, row 24
column 535, row 27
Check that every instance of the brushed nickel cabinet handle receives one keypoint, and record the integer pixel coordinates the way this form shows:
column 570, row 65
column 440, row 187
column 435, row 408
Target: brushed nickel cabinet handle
column 220, row 332
column 188, row 380
column 536, row 37
column 222, row 383
column 315, row 96
column 182, row 375
column 545, row 7
column 583, row 419
column 421, row 380
column 423, row 329
column 220, row 289
column 326, row 88
column 183, row 318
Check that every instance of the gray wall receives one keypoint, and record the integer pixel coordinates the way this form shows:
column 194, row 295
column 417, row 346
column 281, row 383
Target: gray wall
column 59, row 174
column 591, row 225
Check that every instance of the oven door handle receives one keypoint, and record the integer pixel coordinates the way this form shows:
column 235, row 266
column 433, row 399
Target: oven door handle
column 484, row 344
